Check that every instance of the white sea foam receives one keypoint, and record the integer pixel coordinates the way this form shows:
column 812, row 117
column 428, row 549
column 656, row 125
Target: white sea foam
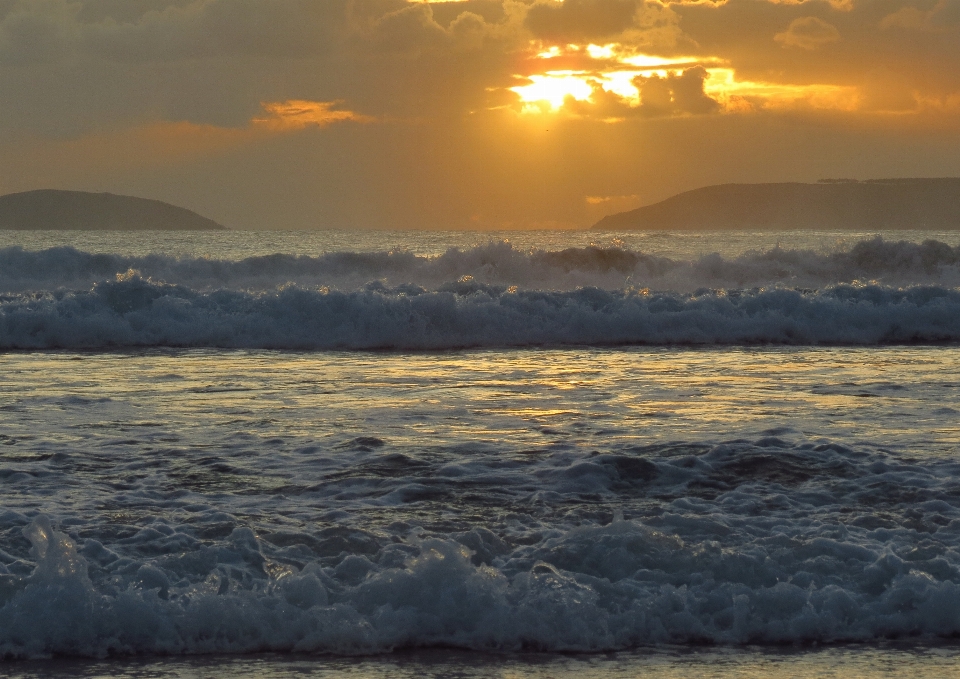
column 497, row 263
column 491, row 295
column 218, row 502
column 132, row 312
column 745, row 542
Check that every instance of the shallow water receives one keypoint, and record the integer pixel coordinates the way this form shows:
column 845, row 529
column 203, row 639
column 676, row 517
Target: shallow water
column 843, row 662
column 594, row 498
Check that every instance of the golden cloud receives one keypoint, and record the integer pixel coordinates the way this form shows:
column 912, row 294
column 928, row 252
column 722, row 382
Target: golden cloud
column 744, row 95
column 297, row 114
column 808, row 33
column 621, row 82
column 162, row 143
column 841, row 5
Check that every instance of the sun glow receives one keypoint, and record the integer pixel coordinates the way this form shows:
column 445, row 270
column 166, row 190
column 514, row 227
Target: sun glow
column 721, row 84
column 598, row 52
column 553, row 88
column 650, row 61
column 623, row 72
column 551, row 53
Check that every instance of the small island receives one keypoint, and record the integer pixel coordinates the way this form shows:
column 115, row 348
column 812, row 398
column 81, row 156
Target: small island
column 829, row 204
column 79, row 210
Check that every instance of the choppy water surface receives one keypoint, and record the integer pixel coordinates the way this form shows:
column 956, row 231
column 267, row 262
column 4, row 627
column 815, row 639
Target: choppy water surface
column 551, row 499
column 568, row 448
column 238, row 245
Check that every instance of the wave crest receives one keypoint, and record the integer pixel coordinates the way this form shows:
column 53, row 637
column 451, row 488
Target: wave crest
column 498, row 263
column 131, row 311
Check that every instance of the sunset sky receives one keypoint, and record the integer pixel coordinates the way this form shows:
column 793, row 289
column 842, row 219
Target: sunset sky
column 469, row 114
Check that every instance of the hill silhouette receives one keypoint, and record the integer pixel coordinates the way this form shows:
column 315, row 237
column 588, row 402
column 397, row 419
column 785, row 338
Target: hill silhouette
column 80, row 210
column 828, row 204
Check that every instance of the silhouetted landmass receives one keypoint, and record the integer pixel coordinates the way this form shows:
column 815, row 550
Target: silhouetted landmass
column 828, row 204
column 79, row 210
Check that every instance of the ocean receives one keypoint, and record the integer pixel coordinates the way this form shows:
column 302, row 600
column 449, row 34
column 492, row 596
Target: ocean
column 450, row 454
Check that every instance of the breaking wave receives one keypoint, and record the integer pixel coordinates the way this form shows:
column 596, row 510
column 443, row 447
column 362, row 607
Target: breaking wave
column 743, row 542
column 133, row 312
column 487, row 296
column 498, row 263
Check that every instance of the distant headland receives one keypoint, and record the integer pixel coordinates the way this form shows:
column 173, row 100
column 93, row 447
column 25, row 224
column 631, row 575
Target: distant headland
column 80, row 210
column 828, row 204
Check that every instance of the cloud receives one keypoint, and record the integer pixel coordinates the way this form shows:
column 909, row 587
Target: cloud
column 942, row 17
column 34, row 31
column 422, row 29
column 841, row 5
column 409, row 29
column 145, row 89
column 581, row 20
column 297, row 114
column 37, row 32
column 670, row 93
column 166, row 143
column 885, row 90
column 808, row 33
column 676, row 94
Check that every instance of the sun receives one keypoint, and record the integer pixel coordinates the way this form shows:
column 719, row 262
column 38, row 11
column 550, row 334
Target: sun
column 621, row 72
column 553, row 88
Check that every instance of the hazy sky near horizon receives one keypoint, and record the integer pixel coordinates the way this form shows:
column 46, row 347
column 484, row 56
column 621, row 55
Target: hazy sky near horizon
column 468, row 114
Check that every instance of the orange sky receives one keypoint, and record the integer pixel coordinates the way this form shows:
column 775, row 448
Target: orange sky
column 468, row 114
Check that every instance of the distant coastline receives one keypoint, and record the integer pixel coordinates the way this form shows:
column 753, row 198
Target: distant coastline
column 82, row 211
column 829, row 204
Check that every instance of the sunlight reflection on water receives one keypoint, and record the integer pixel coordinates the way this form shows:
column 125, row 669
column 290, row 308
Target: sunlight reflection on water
column 235, row 245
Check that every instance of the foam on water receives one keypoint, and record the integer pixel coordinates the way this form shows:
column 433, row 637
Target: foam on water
column 133, row 312
column 758, row 541
column 588, row 499
column 492, row 295
column 498, row 264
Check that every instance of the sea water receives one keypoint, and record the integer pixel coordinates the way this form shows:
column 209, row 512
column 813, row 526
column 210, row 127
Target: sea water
column 349, row 453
